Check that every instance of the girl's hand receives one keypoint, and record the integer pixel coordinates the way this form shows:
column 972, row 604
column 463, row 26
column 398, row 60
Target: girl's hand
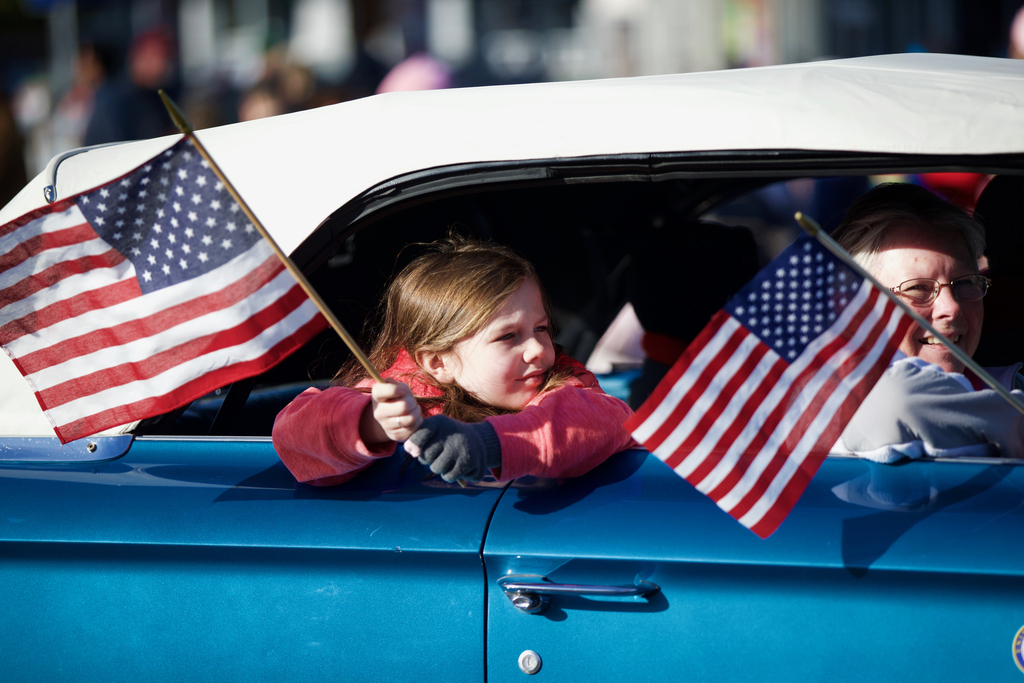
column 396, row 415
column 456, row 450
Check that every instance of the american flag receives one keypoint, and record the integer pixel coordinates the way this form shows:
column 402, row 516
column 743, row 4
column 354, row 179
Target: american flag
column 752, row 407
column 136, row 297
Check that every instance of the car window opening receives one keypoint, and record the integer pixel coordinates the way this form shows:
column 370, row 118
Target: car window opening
column 628, row 256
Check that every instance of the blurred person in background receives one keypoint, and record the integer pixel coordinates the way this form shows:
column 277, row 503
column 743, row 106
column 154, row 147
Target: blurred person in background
column 295, row 86
column 128, row 107
column 1016, row 47
column 418, row 72
column 94, row 65
column 285, row 87
column 13, row 175
column 259, row 102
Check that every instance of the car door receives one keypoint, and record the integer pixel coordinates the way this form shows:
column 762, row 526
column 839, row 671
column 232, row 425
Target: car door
column 901, row 573
column 201, row 559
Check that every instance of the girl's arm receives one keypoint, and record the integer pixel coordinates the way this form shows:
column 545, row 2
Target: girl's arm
column 563, row 433
column 317, row 436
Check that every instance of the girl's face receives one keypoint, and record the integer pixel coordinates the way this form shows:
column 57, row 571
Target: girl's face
column 506, row 362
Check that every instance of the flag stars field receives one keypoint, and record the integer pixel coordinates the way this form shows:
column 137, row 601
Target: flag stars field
column 184, row 176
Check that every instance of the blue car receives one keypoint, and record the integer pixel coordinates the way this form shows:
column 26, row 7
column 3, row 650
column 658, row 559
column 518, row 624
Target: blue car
column 181, row 548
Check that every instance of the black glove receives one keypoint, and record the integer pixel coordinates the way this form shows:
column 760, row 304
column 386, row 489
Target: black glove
column 457, row 450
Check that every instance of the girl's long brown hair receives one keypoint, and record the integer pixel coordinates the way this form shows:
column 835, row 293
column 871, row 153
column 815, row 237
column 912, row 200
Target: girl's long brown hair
column 445, row 295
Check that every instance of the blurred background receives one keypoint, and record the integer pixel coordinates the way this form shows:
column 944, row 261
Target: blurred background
column 78, row 72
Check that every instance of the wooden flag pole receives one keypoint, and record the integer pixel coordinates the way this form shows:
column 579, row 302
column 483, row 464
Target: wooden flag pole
column 186, row 128
column 812, row 227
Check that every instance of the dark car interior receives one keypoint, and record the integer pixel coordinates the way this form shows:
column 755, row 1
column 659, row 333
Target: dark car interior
column 676, row 248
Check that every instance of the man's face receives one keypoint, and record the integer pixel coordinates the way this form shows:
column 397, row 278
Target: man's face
column 910, row 252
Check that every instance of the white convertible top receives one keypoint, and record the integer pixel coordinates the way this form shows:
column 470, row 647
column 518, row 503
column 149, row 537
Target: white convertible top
column 295, row 170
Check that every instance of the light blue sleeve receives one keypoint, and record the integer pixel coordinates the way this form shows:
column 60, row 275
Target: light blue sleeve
column 917, row 409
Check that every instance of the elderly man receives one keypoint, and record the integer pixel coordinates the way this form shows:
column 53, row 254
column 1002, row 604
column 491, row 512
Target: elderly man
column 927, row 251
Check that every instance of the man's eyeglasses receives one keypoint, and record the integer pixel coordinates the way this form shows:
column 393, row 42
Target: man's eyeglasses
column 921, row 291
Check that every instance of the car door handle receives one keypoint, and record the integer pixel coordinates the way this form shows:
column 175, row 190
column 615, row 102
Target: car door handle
column 533, row 597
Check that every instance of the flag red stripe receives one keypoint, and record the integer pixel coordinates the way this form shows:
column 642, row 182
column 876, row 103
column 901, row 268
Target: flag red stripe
column 57, row 272
column 812, row 411
column 700, row 385
column 743, row 417
column 102, row 297
column 789, row 496
column 163, row 361
column 677, row 371
column 189, row 391
column 782, row 408
column 57, row 207
column 721, row 401
column 140, row 328
column 47, row 240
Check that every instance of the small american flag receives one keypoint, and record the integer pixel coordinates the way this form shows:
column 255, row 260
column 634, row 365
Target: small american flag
column 134, row 298
column 752, row 407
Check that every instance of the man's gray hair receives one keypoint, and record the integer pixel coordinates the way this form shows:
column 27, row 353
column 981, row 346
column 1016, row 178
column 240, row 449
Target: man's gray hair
column 873, row 215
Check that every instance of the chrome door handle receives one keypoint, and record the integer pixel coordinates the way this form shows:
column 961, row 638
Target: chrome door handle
column 533, row 597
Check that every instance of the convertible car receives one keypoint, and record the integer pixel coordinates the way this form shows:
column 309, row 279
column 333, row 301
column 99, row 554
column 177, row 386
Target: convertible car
column 180, row 548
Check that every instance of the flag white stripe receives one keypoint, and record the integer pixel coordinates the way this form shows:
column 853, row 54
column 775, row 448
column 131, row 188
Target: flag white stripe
column 185, row 372
column 664, row 410
column 65, row 289
column 52, row 257
column 778, row 392
column 834, row 402
column 151, row 304
column 708, row 396
column 144, row 348
column 801, row 403
column 732, row 411
column 51, row 222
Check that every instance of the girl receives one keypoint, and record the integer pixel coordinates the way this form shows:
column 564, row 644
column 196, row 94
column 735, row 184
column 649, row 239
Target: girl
column 467, row 343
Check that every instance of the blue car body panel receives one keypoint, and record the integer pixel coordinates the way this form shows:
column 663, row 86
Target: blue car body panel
column 204, row 560
column 908, row 573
